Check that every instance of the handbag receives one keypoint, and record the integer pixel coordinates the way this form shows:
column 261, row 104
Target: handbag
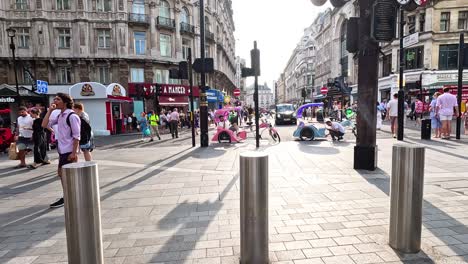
column 147, row 132
column 13, row 152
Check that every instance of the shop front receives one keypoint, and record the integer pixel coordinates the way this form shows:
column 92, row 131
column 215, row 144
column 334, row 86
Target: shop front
column 9, row 101
column 387, row 86
column 105, row 105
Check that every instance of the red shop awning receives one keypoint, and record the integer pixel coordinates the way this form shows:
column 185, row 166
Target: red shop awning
column 173, row 100
column 119, row 98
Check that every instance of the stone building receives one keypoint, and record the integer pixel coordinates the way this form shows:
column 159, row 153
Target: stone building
column 265, row 96
column 106, row 41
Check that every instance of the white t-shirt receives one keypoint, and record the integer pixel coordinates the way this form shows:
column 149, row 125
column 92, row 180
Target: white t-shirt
column 338, row 126
column 392, row 107
column 25, row 126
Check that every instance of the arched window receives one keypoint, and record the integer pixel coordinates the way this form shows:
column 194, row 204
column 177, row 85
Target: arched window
column 343, row 52
column 165, row 10
column 185, row 16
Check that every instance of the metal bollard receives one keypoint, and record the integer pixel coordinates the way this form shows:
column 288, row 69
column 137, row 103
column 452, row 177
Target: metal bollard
column 406, row 198
column 83, row 213
column 254, row 208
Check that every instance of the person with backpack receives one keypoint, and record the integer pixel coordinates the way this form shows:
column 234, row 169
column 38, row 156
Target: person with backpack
column 69, row 130
column 154, row 123
column 87, row 137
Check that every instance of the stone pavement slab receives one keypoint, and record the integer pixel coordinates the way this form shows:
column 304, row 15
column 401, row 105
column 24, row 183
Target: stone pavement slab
column 169, row 203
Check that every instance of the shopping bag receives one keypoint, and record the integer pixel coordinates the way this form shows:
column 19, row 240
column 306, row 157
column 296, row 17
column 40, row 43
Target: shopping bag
column 147, row 132
column 13, row 152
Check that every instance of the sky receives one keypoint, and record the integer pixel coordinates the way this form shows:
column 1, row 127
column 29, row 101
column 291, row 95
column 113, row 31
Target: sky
column 277, row 26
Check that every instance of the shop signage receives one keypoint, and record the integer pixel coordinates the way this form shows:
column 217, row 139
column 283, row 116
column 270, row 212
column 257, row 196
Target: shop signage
column 42, row 87
column 7, row 99
column 166, row 89
column 410, row 40
column 454, row 91
column 212, row 96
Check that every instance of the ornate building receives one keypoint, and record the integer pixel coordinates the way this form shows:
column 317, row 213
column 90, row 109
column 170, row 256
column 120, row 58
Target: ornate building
column 123, row 41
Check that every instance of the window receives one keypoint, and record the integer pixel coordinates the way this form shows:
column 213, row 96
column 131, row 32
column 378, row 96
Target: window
column 26, row 77
column 104, row 75
column 445, row 21
column 165, row 10
column 138, row 11
column 64, row 38
column 448, row 57
column 140, row 42
column 411, row 24
column 463, row 20
column 343, row 52
column 103, row 5
column 185, row 47
column 64, row 75
column 386, row 65
column 104, row 38
column 422, row 20
column 207, row 51
column 137, row 75
column 23, row 37
column 21, row 4
column 165, row 45
column 63, row 4
column 184, row 16
column 414, row 58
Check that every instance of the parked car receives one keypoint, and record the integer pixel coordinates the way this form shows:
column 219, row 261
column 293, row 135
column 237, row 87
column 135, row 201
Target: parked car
column 285, row 114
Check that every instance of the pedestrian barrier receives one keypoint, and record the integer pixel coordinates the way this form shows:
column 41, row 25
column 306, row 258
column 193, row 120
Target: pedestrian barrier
column 83, row 213
column 406, row 197
column 254, row 207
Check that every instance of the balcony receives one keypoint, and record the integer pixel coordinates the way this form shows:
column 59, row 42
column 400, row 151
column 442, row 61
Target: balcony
column 209, row 36
column 164, row 22
column 140, row 19
column 186, row 28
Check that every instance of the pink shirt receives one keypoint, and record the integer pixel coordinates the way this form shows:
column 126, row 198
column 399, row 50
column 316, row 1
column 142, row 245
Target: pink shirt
column 66, row 133
column 446, row 103
column 174, row 116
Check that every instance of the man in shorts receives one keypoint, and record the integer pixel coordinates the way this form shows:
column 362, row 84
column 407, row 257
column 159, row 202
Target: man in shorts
column 446, row 106
column 23, row 135
column 69, row 135
column 392, row 110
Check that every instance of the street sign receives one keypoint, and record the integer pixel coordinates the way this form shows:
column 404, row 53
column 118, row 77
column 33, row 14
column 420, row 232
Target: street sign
column 237, row 92
column 410, row 40
column 324, row 90
column 42, row 87
column 384, row 13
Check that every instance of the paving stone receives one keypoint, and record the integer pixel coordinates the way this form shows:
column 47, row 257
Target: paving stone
column 343, row 250
column 297, row 245
column 317, row 252
column 325, row 242
column 366, row 258
column 289, row 255
column 338, row 260
column 347, row 240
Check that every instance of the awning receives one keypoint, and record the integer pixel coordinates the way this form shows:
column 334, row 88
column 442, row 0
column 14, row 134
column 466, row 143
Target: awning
column 114, row 98
column 173, row 100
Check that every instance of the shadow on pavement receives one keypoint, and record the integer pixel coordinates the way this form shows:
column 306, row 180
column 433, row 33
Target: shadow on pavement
column 316, row 147
column 29, row 184
column 381, row 180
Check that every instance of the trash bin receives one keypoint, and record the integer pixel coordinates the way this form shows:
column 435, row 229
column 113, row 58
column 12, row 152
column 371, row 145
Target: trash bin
column 320, row 115
column 426, row 129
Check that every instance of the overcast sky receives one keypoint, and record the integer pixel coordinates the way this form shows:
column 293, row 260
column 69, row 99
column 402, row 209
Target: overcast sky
column 277, row 26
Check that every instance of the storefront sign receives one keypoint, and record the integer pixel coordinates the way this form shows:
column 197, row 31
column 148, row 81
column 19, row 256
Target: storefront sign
column 166, row 89
column 454, row 91
column 88, row 90
column 411, row 40
column 7, row 99
column 212, row 96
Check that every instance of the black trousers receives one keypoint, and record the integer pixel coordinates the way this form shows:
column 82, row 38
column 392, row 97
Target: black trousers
column 175, row 129
column 40, row 150
column 336, row 134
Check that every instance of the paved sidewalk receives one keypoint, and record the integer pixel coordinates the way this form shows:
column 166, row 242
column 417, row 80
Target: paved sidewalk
column 167, row 203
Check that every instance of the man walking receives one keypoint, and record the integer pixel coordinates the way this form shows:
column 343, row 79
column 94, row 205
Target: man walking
column 154, row 120
column 446, row 106
column 23, row 135
column 175, row 123
column 69, row 135
column 392, row 110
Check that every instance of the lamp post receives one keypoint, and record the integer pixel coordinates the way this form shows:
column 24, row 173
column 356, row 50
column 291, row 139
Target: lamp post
column 12, row 34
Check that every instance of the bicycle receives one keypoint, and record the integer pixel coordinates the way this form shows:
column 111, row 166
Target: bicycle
column 266, row 125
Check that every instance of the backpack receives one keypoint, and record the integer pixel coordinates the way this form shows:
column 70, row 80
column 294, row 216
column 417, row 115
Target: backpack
column 85, row 131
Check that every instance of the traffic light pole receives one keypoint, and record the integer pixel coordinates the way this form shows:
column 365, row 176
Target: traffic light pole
column 461, row 59
column 203, row 100
column 401, row 91
column 365, row 151
column 192, row 107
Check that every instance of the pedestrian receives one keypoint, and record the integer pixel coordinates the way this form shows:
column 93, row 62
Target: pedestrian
column 447, row 106
column 134, row 122
column 129, row 123
column 464, row 111
column 40, row 141
column 88, row 146
column 197, row 121
column 175, row 123
column 392, row 110
column 435, row 119
column 418, row 111
column 143, row 123
column 69, row 138
column 23, row 135
column 379, row 116
column 168, row 118
column 163, row 120
column 154, row 122
column 336, row 130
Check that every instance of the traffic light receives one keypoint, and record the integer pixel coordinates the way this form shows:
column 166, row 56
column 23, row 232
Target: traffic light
column 304, row 93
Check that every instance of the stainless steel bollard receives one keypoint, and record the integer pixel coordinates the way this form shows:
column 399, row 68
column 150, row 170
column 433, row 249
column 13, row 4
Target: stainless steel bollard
column 83, row 213
column 406, row 198
column 254, row 208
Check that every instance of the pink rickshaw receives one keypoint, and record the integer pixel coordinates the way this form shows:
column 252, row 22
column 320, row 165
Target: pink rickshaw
column 228, row 134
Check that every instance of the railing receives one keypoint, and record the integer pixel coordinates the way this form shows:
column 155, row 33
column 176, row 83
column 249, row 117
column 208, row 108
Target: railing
column 165, row 22
column 138, row 18
column 186, row 28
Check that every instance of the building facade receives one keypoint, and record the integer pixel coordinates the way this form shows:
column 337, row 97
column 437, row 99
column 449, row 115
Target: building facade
column 266, row 98
column 113, row 41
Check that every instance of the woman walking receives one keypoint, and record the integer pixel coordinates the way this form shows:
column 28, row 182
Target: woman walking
column 144, row 128
column 39, row 140
column 435, row 120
